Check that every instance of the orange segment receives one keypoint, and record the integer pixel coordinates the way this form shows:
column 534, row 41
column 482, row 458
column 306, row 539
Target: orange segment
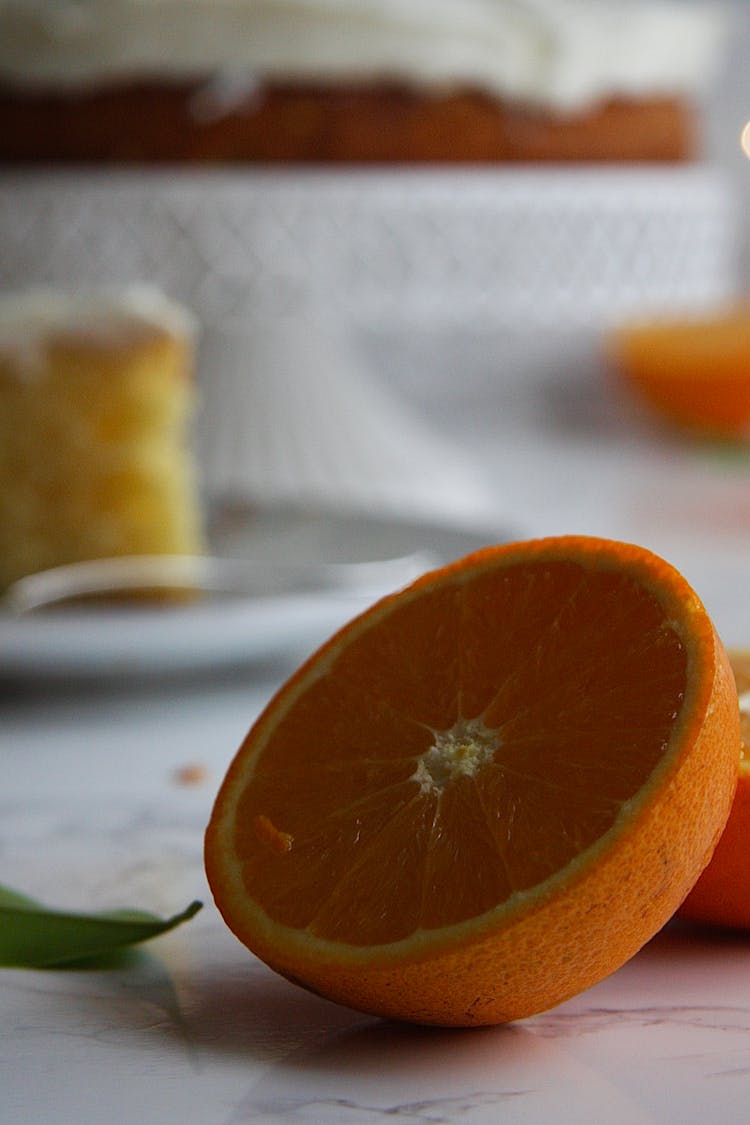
column 721, row 897
column 487, row 791
column 695, row 373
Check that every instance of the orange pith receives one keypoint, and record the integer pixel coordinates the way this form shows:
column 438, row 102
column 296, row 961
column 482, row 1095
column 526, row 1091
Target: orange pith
column 721, row 897
column 471, row 803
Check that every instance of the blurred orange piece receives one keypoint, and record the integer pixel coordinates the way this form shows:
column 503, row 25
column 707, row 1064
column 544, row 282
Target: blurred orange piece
column 694, row 372
column 721, row 897
column 486, row 792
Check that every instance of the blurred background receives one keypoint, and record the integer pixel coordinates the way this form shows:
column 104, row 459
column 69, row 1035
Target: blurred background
column 431, row 337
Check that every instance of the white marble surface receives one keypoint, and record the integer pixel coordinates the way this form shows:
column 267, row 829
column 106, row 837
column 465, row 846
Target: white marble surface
column 93, row 815
column 195, row 1030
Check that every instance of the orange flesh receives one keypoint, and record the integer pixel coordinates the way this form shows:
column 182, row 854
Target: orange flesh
column 453, row 761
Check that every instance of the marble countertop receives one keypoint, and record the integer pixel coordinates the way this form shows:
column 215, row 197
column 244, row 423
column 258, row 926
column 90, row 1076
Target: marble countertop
column 105, row 792
column 194, row 1030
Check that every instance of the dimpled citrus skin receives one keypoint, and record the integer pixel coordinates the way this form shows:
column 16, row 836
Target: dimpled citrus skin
column 555, row 939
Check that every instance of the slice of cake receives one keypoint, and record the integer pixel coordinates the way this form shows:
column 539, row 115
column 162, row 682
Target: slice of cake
column 96, row 394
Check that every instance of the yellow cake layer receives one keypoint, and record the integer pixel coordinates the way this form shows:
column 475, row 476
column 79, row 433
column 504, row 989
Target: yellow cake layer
column 94, row 440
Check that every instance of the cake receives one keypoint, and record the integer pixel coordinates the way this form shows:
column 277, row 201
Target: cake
column 353, row 81
column 96, row 393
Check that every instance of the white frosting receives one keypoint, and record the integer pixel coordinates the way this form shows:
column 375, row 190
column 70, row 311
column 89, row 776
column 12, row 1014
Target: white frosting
column 551, row 52
column 28, row 319
column 41, row 311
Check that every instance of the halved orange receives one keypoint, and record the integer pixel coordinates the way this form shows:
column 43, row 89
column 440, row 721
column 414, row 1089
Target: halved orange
column 694, row 371
column 488, row 791
column 721, row 897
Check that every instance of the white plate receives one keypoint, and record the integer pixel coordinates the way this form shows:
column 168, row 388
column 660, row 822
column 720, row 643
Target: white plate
column 216, row 633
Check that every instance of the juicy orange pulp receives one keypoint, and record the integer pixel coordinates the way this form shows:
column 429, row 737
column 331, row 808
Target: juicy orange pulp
column 419, row 774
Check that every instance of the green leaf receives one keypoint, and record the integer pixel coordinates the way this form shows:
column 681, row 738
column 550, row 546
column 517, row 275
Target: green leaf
column 35, row 937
